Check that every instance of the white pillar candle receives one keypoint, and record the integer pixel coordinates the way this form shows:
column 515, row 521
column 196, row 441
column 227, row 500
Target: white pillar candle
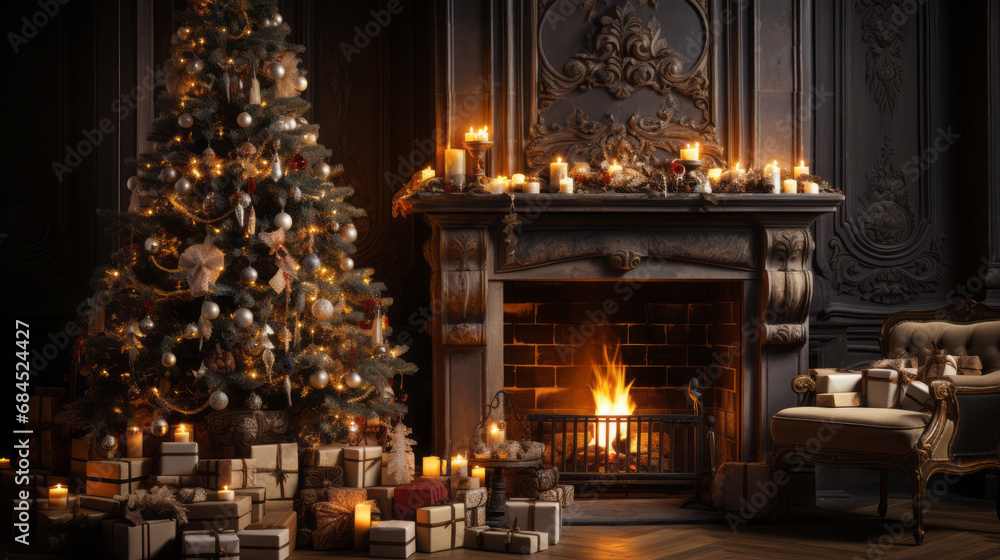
column 480, row 473
column 58, row 497
column 772, row 176
column 790, row 186
column 454, row 165
column 426, row 174
column 689, row 153
column 362, row 526
column 470, row 136
column 182, row 435
column 517, row 178
column 226, row 495
column 558, row 170
column 133, row 442
column 534, row 187
column 459, row 466
column 809, row 187
column 432, row 466
column 801, row 169
column 566, row 185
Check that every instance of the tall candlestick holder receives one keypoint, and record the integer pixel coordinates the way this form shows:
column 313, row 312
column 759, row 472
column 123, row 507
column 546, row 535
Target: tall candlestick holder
column 477, row 151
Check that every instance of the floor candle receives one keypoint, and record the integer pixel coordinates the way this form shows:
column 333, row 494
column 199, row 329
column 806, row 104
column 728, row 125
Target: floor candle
column 480, row 473
column 182, row 435
column 227, row 495
column 133, row 442
column 362, row 525
column 432, row 466
column 459, row 466
column 58, row 497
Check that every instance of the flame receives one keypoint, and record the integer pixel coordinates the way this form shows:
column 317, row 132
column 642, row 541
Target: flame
column 611, row 396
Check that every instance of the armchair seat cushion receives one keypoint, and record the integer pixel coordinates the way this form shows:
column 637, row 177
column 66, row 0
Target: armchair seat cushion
column 857, row 430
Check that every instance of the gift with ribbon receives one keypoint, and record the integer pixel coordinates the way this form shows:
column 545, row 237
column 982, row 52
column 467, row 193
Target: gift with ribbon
column 111, row 477
column 323, row 456
column 179, row 458
column 392, row 539
column 258, row 501
column 211, row 545
column 511, row 541
column 562, row 493
column 81, row 451
column 265, row 544
column 545, row 517
column 309, row 498
column 218, row 516
column 440, row 527
column 277, row 468
column 150, row 540
column 383, row 496
column 884, row 388
column 408, row 498
column 282, row 519
column 474, row 500
column 529, row 482
column 231, row 473
column 362, row 466
column 334, row 526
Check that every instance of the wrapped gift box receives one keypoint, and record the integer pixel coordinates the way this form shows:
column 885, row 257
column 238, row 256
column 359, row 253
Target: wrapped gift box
column 503, row 540
column 178, row 458
column 529, row 482
column 277, row 468
column 531, row 515
column 279, row 516
column 258, row 501
column 838, row 400
column 739, row 485
column 265, row 544
column 111, row 477
column 440, row 527
column 82, row 451
column 882, row 388
column 474, row 500
column 451, row 483
column 393, row 539
column 42, row 480
column 210, row 544
column 305, row 506
column 833, row 381
column 562, row 493
column 153, row 539
column 182, row 481
column 218, row 516
column 917, row 396
column 234, row 473
column 322, row 477
column 334, row 526
column 234, row 427
column 383, row 496
column 64, row 531
column 100, row 503
column 323, row 456
column 408, row 498
column 362, row 466
column 48, row 451
column 395, row 479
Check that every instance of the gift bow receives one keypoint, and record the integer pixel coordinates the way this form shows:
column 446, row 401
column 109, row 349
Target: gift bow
column 201, row 264
column 275, row 240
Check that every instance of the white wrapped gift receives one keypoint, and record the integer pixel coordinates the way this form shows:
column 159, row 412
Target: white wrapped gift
column 916, row 396
column 216, row 515
column 882, row 388
column 264, row 544
column 440, row 527
column 323, row 456
column 838, row 382
column 277, row 468
column 111, row 477
column 178, row 458
column 210, row 545
column 531, row 515
column 232, row 473
column 362, row 466
column 506, row 540
column 153, row 539
column 393, row 539
column 838, row 400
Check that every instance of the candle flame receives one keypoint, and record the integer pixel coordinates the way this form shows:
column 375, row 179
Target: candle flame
column 225, row 488
column 802, row 163
column 737, row 165
column 775, row 163
column 696, row 145
column 58, row 486
column 494, row 429
column 558, row 160
column 181, row 429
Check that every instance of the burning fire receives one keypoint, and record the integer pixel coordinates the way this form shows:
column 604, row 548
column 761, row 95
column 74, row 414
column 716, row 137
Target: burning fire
column 611, row 396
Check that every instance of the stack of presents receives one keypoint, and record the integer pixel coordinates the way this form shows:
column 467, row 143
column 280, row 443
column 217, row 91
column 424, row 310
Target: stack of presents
column 264, row 499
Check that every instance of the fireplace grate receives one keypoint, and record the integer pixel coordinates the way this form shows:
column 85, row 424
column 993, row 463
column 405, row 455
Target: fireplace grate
column 623, row 451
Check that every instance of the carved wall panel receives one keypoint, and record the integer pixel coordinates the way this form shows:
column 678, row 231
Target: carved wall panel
column 461, row 285
column 787, row 285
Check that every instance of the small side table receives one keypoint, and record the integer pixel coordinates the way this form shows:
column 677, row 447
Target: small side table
column 498, row 489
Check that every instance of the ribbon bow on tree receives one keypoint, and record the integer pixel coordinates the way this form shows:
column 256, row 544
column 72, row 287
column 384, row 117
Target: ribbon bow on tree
column 201, row 264
column 286, row 265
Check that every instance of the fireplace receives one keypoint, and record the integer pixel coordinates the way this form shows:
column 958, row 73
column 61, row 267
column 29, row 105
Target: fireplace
column 721, row 288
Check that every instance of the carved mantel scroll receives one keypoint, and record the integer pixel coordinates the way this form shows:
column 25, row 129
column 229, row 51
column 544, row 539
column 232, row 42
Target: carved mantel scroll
column 787, row 285
column 459, row 283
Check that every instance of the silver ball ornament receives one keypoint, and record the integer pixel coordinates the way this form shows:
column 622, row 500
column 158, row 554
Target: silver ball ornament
column 151, row 244
column 289, row 123
column 190, row 330
column 168, row 359
column 249, row 274
column 195, row 66
column 159, row 427
column 252, row 348
column 277, row 19
column 347, row 263
column 283, row 221
column 300, row 83
column 276, row 70
column 183, row 33
column 353, row 380
column 349, row 233
column 146, row 324
column 323, row 170
column 185, row 120
column 267, row 22
column 182, row 186
column 109, row 443
column 319, row 379
column 132, row 183
column 210, row 310
column 322, row 309
column 381, row 350
column 168, row 174
column 218, row 400
column 254, row 402
column 244, row 119
column 311, row 263
column 243, row 317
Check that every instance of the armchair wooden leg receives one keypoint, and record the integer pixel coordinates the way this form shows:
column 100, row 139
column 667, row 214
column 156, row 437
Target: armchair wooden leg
column 883, row 492
column 917, row 486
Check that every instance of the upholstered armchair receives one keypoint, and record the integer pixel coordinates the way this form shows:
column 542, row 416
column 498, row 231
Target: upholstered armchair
column 960, row 434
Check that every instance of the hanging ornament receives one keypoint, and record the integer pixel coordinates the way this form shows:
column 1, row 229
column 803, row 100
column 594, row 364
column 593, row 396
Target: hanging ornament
column 248, row 274
column 195, row 66
column 297, row 162
column 244, row 119
column 246, row 153
column 208, row 157
column 252, row 221
column 168, row 359
column 221, row 361
column 168, row 174
column 334, row 227
column 185, row 120
column 378, row 327
column 267, row 22
column 253, row 401
column 151, row 244
column 190, row 330
column 210, row 310
column 295, row 193
column 159, row 427
column 346, row 263
column 311, row 263
column 283, row 221
column 387, row 395
column 300, row 83
column 276, row 173
column 322, row 309
column 254, row 96
column 243, row 317
column 353, row 380
column 310, row 137
column 183, row 33
column 288, row 123
column 109, row 443
column 182, row 186
column 240, row 200
column 268, row 355
column 225, row 85
column 380, row 350
column 252, row 348
column 133, row 394
column 319, row 379
column 285, row 337
column 276, row 70
column 132, row 183
column 349, row 233
column 201, row 264
column 132, row 344
column 322, row 170
column 202, row 370
column 277, row 19
column 288, row 390
column 218, row 400
column 369, row 311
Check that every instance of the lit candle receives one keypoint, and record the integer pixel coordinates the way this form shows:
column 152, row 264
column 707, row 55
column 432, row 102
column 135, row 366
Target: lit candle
column 58, row 497
column 714, row 174
column 614, row 168
column 739, row 172
column 789, row 186
column 226, row 495
column 801, row 169
column 454, row 165
column 480, row 473
column 432, row 466
column 534, row 187
column 772, row 176
column 566, row 185
column 496, row 434
column 182, row 435
column 470, row 136
column 689, row 153
column 4, row 463
column 809, row 187
column 362, row 525
column 459, row 466
column 426, row 174
column 558, row 170
column 517, row 178
column 133, row 442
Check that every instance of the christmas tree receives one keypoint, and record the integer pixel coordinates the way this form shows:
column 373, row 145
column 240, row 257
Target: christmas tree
column 235, row 284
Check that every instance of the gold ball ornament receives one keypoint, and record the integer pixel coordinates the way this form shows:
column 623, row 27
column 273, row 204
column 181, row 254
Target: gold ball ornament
column 159, row 427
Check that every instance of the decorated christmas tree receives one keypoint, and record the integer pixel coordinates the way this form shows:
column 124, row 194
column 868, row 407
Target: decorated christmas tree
column 234, row 285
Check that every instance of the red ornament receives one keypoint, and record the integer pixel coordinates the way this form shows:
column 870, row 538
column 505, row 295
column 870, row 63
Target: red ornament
column 251, row 185
column 677, row 167
column 606, row 178
column 297, row 162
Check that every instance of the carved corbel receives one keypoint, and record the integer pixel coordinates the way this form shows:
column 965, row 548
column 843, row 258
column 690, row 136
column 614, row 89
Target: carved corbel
column 787, row 285
column 461, row 286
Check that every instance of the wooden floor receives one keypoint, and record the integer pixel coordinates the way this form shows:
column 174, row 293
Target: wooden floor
column 843, row 529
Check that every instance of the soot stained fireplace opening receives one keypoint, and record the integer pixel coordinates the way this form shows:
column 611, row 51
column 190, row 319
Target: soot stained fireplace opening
column 591, row 348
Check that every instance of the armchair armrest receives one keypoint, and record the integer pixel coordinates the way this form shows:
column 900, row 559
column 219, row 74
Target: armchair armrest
column 805, row 387
column 944, row 414
column 976, row 384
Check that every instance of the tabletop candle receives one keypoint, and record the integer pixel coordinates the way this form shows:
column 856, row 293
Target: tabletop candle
column 801, row 169
column 470, row 136
column 614, row 168
column 772, row 176
column 689, row 153
column 182, row 435
column 227, row 495
column 566, row 185
column 4, row 463
column 362, row 526
column 426, row 174
column 133, row 442
column 454, row 165
column 480, row 473
column 58, row 497
column 534, row 187
column 432, row 466
column 558, row 170
column 714, row 174
column 459, row 466
column 517, row 178
column 809, row 187
column 497, row 435
column 789, row 186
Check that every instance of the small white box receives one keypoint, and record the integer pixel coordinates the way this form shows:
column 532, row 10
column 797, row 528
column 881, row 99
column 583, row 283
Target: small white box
column 393, row 539
column 882, row 388
column 178, row 458
column 838, row 382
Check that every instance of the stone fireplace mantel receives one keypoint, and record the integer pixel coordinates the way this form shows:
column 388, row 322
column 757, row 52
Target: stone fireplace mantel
column 764, row 241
